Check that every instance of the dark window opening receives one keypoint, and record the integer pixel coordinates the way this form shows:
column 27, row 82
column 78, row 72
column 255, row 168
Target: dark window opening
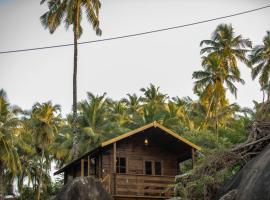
column 121, row 165
column 148, row 167
column 157, row 168
column 85, row 168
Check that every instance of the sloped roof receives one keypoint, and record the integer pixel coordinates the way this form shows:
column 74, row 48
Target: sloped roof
column 129, row 134
column 153, row 124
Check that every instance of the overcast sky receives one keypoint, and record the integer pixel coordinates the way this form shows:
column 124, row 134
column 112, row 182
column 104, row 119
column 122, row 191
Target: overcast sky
column 123, row 66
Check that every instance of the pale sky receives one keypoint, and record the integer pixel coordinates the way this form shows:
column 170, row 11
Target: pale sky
column 123, row 66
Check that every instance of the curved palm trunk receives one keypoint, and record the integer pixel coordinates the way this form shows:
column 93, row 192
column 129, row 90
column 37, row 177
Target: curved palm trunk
column 1, row 181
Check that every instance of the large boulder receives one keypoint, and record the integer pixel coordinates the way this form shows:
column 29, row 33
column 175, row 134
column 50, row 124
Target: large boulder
column 252, row 182
column 83, row 188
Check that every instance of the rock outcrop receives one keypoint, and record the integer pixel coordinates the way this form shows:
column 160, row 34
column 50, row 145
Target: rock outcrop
column 253, row 181
column 83, row 188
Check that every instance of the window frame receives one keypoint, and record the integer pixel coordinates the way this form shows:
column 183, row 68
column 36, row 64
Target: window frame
column 161, row 168
column 150, row 161
column 153, row 167
column 118, row 167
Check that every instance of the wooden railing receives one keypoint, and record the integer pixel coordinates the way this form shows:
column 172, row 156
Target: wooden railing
column 140, row 185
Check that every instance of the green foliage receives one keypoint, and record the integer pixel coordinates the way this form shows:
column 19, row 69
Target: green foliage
column 55, row 186
column 260, row 58
column 195, row 184
column 31, row 140
column 27, row 193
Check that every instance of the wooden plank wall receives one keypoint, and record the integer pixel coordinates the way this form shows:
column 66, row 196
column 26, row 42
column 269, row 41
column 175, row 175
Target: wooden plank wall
column 137, row 153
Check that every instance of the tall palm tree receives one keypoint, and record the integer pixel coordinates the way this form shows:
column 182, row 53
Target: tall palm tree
column 229, row 47
column 45, row 119
column 260, row 57
column 9, row 124
column 71, row 13
column 211, row 85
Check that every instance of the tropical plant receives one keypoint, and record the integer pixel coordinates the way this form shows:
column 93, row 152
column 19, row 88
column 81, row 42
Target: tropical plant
column 62, row 146
column 260, row 57
column 45, row 119
column 71, row 13
column 228, row 47
column 211, row 86
column 92, row 120
column 9, row 129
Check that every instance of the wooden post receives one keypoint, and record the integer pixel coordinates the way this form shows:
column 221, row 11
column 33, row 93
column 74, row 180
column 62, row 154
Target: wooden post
column 88, row 165
column 100, row 165
column 114, row 157
column 114, row 168
column 193, row 157
column 82, row 167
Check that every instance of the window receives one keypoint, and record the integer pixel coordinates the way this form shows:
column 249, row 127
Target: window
column 153, row 168
column 121, row 165
column 148, row 167
column 157, row 168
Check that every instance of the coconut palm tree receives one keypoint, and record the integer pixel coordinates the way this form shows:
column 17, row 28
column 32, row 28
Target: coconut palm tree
column 62, row 146
column 71, row 12
column 45, row 119
column 229, row 47
column 133, row 103
column 9, row 125
column 27, row 152
column 152, row 95
column 260, row 57
column 93, row 120
column 211, row 85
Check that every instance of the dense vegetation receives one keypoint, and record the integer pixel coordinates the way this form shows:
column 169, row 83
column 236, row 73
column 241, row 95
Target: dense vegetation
column 30, row 141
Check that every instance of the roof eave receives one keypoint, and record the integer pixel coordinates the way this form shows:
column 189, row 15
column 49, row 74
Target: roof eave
column 76, row 160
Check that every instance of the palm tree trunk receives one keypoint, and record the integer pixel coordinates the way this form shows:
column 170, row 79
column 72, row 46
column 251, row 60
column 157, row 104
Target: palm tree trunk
column 41, row 175
column 207, row 114
column 1, row 181
column 74, row 124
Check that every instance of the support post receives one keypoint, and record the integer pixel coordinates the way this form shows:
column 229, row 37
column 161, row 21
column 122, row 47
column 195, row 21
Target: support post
column 88, row 165
column 114, row 157
column 82, row 167
column 114, row 168
column 193, row 157
column 100, row 164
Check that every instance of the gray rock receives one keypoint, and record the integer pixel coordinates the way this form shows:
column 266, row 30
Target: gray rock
column 83, row 188
column 253, row 181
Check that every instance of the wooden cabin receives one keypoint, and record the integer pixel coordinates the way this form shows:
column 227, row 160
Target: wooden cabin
column 140, row 164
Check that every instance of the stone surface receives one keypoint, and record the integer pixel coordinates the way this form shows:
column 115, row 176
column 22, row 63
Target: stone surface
column 83, row 188
column 253, row 181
